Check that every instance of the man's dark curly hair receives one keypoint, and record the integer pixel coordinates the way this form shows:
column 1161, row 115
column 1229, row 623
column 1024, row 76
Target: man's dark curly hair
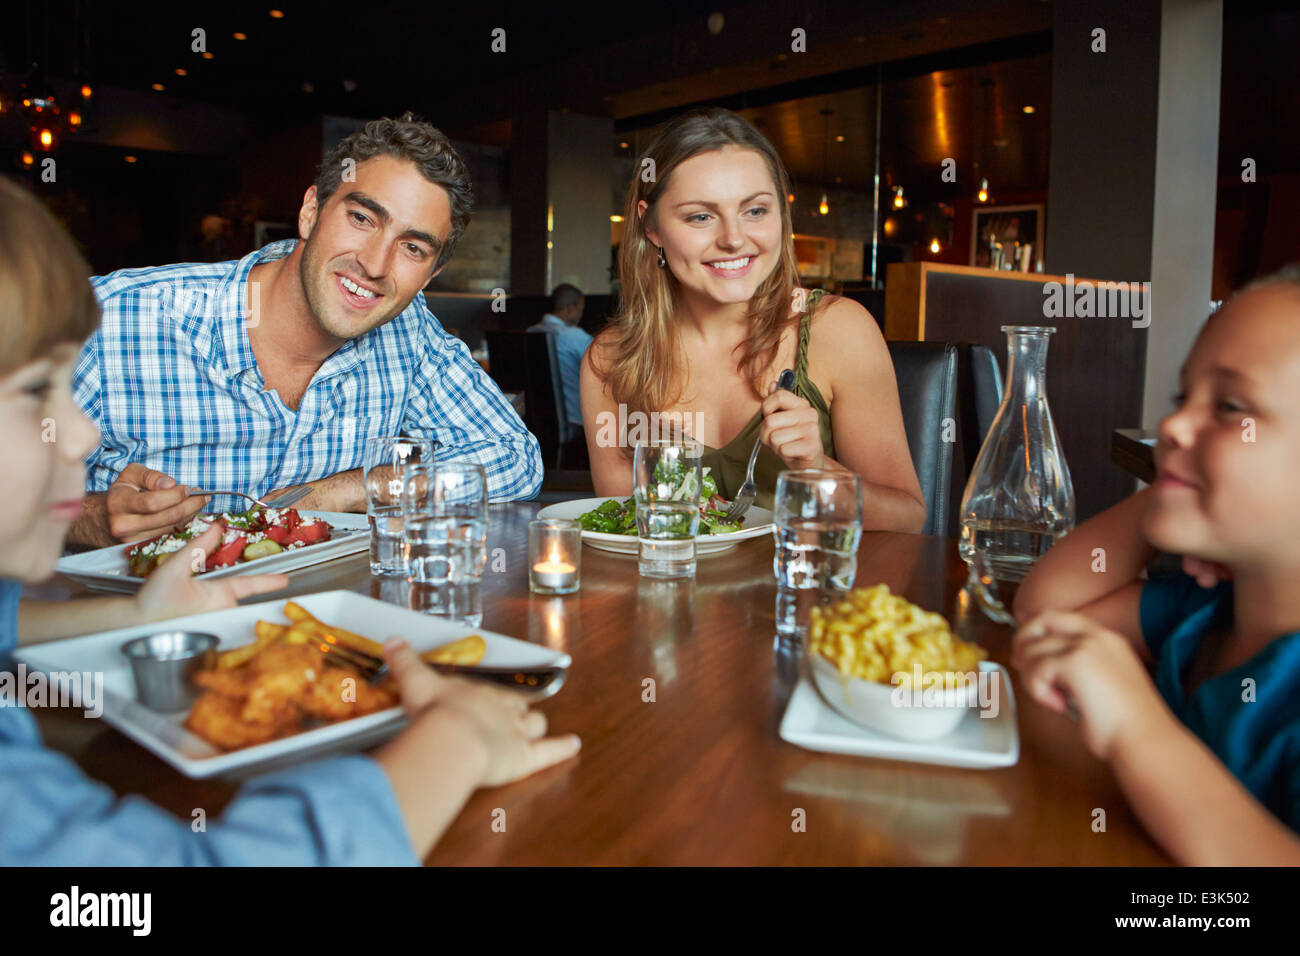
column 407, row 137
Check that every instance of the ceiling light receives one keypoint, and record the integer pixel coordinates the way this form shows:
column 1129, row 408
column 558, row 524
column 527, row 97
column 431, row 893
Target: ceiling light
column 159, row 87
column 207, row 54
column 86, row 91
column 277, row 14
column 28, row 159
column 181, row 71
column 824, row 208
column 1028, row 108
column 935, row 247
column 615, row 218
column 240, row 36
column 839, row 139
column 129, row 158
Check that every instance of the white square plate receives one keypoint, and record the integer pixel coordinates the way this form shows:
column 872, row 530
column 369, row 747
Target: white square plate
column 164, row 735
column 979, row 742
column 758, row 522
column 106, row 569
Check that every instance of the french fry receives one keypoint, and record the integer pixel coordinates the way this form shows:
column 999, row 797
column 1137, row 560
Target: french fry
column 466, row 652
column 299, row 634
column 239, row 656
column 270, row 631
column 330, row 634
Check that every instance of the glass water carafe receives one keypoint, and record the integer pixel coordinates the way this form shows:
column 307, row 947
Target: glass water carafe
column 1019, row 498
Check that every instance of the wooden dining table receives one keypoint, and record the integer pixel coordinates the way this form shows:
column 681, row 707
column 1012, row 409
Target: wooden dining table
column 699, row 775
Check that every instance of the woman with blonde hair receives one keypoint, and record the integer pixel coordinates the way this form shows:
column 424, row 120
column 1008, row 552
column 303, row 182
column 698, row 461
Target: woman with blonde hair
column 712, row 313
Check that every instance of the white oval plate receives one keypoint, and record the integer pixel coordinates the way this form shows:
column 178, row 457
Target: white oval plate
column 165, row 735
column 758, row 522
column 107, row 570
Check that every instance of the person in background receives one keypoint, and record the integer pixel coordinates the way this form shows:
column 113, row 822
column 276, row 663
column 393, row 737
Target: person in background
column 567, row 303
column 389, row 809
column 267, row 373
column 712, row 313
column 1186, row 684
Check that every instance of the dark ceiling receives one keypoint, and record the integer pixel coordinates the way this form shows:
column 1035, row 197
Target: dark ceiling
column 384, row 55
column 357, row 58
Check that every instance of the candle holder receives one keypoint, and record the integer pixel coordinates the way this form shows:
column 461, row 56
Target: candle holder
column 554, row 556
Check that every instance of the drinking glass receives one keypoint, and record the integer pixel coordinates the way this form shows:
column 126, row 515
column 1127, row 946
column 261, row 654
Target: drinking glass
column 444, row 510
column 818, row 529
column 667, row 480
column 383, row 471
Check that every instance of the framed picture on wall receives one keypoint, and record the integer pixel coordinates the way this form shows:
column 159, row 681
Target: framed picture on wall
column 1007, row 237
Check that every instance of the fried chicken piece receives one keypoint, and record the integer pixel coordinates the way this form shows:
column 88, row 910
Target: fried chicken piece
column 289, row 658
column 228, row 683
column 332, row 697
column 219, row 720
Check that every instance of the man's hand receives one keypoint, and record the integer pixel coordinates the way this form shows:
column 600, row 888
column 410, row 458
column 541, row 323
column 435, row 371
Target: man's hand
column 1070, row 662
column 172, row 590
column 143, row 503
column 340, row 492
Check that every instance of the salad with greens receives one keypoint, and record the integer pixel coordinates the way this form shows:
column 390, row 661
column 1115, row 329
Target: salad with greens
column 619, row 517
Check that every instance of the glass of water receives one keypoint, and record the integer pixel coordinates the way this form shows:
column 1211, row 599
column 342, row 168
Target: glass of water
column 667, row 479
column 383, row 470
column 818, row 529
column 444, row 510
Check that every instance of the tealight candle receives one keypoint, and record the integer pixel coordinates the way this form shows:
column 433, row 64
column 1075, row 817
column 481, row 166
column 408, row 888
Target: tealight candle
column 554, row 556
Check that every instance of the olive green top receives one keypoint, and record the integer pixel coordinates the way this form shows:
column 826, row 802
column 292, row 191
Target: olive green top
column 728, row 463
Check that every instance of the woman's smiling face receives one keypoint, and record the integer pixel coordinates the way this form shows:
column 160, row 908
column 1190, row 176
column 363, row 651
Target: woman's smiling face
column 718, row 221
column 1228, row 458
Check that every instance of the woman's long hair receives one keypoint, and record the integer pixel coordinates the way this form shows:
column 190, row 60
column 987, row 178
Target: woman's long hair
column 645, row 358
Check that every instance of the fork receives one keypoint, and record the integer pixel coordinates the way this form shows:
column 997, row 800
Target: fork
column 745, row 496
column 545, row 679
column 283, row 501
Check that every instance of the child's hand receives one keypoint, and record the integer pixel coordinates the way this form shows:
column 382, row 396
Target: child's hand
column 1207, row 573
column 1068, row 660
column 172, row 591
column 511, row 736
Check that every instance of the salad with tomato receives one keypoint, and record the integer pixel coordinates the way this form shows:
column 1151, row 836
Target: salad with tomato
column 248, row 535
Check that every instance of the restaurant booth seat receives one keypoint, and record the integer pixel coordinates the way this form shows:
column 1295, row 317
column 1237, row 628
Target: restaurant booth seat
column 927, row 393
column 527, row 362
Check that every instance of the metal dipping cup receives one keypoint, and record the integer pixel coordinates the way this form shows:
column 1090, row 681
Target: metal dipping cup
column 164, row 666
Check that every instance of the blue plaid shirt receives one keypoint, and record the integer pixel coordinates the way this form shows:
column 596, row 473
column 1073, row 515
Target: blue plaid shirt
column 171, row 381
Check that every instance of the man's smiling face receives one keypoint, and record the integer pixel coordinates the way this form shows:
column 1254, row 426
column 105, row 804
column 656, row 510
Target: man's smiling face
column 370, row 249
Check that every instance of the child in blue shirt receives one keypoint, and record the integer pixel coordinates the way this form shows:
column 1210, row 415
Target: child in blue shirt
column 388, row 809
column 1188, row 685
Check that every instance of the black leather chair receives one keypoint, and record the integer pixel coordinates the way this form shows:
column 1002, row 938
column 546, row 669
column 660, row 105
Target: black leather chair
column 526, row 362
column 927, row 392
column 979, row 394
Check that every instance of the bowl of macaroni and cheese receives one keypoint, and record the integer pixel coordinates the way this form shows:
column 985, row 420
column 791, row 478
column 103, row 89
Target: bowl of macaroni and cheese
column 891, row 666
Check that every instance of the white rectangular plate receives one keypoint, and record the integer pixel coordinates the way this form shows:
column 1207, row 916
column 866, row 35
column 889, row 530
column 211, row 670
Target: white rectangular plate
column 164, row 735
column 978, row 742
column 758, row 522
column 106, row 569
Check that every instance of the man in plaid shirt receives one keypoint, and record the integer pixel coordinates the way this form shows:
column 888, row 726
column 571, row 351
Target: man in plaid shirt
column 270, row 372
